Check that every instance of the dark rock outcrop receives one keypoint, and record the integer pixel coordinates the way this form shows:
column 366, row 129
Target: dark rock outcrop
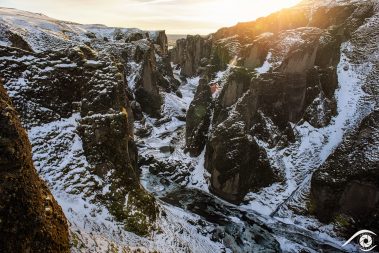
column 198, row 119
column 147, row 90
column 75, row 81
column 30, row 218
column 254, row 54
column 348, row 183
column 160, row 38
column 295, row 52
column 190, row 52
column 148, row 71
column 235, row 160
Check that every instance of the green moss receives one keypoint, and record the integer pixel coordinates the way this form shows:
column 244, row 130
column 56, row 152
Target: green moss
column 220, row 57
column 200, row 111
column 242, row 74
column 141, row 212
column 342, row 221
column 74, row 240
column 311, row 207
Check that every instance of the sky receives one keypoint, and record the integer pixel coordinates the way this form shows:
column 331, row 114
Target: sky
column 174, row 16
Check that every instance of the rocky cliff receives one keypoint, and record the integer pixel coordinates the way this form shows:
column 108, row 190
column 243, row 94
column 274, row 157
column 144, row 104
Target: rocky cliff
column 346, row 187
column 89, row 89
column 191, row 54
column 30, row 218
column 277, row 116
column 276, row 83
column 75, row 97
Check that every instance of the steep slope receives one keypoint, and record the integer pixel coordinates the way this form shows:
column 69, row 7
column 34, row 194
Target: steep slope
column 31, row 219
column 346, row 186
column 143, row 54
column 78, row 102
column 286, row 89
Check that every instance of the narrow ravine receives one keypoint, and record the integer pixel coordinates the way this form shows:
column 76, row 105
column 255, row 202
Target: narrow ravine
column 181, row 181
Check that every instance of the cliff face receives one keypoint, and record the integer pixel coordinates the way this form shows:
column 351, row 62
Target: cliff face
column 271, row 79
column 346, row 187
column 191, row 54
column 31, row 219
column 75, row 97
column 277, row 116
column 198, row 119
column 89, row 88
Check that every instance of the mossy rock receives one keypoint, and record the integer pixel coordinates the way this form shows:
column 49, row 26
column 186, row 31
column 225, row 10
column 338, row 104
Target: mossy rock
column 220, row 57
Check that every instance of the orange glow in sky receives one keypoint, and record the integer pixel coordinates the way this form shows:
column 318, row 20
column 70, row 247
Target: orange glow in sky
column 174, row 16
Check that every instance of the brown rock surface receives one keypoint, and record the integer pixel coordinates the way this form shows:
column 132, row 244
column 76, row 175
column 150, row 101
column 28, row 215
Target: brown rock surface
column 30, row 218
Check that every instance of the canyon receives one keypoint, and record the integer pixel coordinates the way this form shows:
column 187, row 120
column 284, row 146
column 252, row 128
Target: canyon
column 261, row 137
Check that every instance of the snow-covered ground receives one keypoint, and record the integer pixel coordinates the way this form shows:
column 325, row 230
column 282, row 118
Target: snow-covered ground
column 172, row 134
column 43, row 33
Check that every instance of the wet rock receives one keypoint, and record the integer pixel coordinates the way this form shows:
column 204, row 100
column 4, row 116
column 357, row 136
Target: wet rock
column 137, row 110
column 240, row 234
column 167, row 149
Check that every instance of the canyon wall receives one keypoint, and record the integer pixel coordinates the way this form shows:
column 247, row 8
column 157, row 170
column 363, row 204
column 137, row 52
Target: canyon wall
column 284, row 75
column 31, row 219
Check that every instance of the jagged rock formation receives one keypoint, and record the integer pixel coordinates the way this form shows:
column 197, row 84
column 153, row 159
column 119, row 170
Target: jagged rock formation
column 143, row 54
column 274, row 99
column 285, row 76
column 191, row 54
column 197, row 126
column 30, row 218
column 86, row 90
column 347, row 185
column 81, row 81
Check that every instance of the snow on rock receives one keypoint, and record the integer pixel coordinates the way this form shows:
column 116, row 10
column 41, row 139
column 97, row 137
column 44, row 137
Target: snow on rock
column 43, row 33
column 314, row 145
column 59, row 158
column 266, row 65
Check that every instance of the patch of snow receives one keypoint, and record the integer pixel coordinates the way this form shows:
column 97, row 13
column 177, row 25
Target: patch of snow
column 134, row 70
column 200, row 177
column 266, row 65
column 66, row 65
